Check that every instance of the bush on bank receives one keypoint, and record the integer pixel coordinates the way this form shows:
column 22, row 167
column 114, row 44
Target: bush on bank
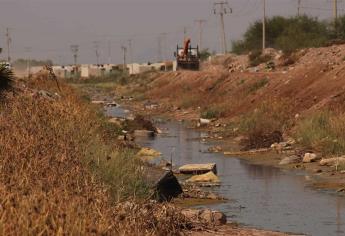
column 287, row 34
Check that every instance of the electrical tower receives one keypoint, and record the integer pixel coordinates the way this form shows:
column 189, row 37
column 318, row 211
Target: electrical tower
column 200, row 23
column 222, row 8
column 9, row 41
column 75, row 51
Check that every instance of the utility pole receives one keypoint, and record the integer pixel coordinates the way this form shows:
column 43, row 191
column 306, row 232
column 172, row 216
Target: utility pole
column 96, row 47
column 264, row 27
column 9, row 41
column 200, row 22
column 223, row 9
column 130, row 41
column 124, row 49
column 159, row 55
column 28, row 62
column 335, row 10
column 299, row 8
column 75, row 51
column 109, row 52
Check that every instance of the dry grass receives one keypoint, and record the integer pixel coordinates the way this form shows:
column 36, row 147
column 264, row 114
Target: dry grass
column 266, row 124
column 323, row 131
column 57, row 176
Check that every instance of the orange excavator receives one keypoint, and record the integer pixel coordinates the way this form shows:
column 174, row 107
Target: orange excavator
column 187, row 58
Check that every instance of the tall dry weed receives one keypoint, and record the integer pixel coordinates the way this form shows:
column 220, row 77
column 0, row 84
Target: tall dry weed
column 58, row 177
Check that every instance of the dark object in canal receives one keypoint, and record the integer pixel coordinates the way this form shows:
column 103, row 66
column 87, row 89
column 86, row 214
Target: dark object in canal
column 167, row 187
column 258, row 140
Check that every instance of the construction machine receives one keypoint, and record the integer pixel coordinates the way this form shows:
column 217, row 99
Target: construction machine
column 187, row 58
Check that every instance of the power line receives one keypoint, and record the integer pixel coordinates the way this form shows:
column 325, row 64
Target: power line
column 321, row 9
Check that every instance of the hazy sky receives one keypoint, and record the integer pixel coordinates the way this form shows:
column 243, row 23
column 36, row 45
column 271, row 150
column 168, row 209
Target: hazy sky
column 44, row 29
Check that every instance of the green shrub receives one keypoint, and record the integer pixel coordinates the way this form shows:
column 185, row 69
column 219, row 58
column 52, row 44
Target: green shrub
column 211, row 114
column 256, row 58
column 204, row 54
column 258, row 85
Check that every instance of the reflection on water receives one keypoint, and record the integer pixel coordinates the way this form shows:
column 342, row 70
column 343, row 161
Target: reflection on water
column 262, row 197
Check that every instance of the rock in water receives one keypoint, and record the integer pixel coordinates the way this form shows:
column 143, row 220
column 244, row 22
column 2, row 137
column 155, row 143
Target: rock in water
column 198, row 168
column 209, row 177
column 332, row 161
column 310, row 157
column 149, row 152
column 290, row 160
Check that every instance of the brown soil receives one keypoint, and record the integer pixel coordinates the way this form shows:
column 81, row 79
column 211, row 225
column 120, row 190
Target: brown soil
column 315, row 81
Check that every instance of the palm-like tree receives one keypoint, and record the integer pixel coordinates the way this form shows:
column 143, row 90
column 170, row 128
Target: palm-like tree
column 6, row 79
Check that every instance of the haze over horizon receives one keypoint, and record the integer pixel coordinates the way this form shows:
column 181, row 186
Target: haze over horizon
column 45, row 29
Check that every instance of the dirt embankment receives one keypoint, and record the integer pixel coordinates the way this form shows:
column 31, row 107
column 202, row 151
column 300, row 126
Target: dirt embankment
column 314, row 81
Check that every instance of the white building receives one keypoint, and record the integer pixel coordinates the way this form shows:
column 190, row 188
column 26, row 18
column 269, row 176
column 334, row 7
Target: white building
column 136, row 68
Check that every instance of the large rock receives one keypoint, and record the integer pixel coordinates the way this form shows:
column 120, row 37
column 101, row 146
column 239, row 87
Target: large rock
column 198, row 168
column 209, row 177
column 149, row 152
column 115, row 121
column 98, row 102
column 205, row 216
column 332, row 161
column 310, row 157
column 290, row 160
column 204, row 121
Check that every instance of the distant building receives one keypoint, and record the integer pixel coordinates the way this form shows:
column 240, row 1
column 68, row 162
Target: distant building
column 88, row 71
column 136, row 68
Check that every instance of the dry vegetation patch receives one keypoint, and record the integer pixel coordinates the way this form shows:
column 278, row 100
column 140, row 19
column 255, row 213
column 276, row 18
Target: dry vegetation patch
column 58, row 175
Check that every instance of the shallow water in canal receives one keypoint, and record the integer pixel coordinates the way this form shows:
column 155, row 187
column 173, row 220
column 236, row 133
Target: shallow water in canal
column 260, row 196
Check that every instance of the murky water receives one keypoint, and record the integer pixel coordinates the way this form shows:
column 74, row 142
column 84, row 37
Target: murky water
column 261, row 197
